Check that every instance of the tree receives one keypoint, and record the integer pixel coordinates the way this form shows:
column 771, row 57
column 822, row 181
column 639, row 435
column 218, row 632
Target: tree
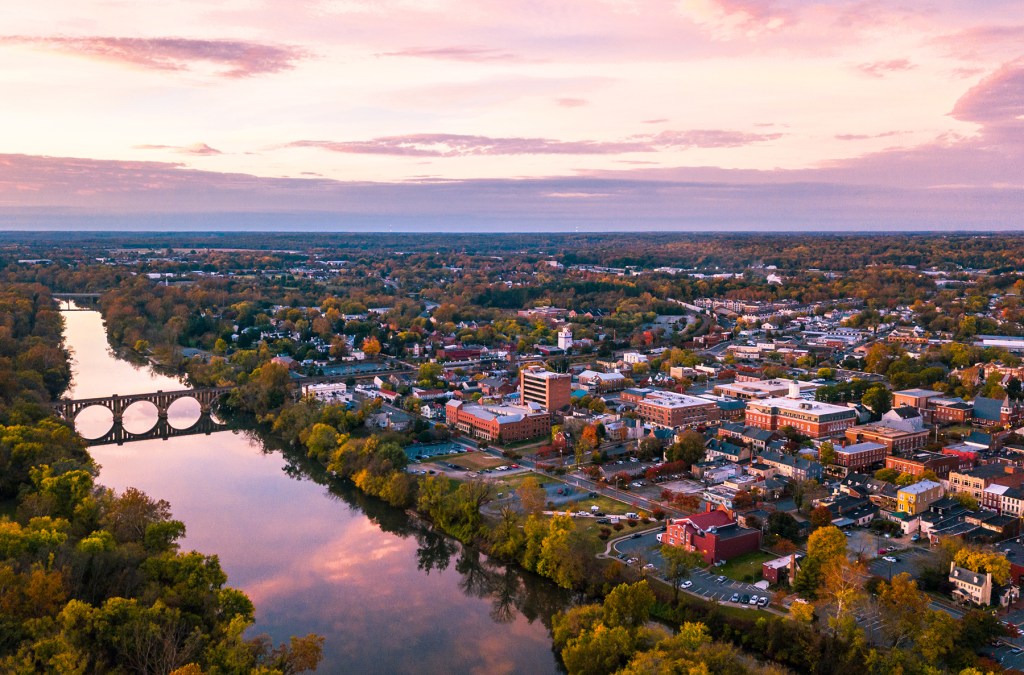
column 821, row 516
column 628, row 605
column 371, row 347
column 981, row 561
column 827, row 453
column 902, row 608
column 783, row 525
column 967, row 501
column 678, row 563
column 531, row 495
column 878, row 400
column 689, row 448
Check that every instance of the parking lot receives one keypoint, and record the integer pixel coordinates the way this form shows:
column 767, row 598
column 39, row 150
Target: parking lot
column 910, row 560
column 645, row 549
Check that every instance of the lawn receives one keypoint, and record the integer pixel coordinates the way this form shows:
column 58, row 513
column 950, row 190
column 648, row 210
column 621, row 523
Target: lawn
column 474, row 461
column 746, row 564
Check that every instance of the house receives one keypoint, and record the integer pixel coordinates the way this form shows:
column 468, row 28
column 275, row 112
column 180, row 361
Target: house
column 915, row 398
column 796, row 468
column 951, row 411
column 916, row 498
column 596, row 381
column 781, row 570
column 975, row 588
column 713, row 534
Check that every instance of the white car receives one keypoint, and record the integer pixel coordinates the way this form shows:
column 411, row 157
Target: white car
column 888, row 559
column 658, row 537
column 754, row 599
column 686, row 584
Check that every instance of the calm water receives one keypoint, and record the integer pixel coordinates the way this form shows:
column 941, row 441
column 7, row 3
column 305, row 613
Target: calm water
column 389, row 595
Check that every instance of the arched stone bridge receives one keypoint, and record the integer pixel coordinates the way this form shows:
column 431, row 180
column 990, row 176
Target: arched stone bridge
column 162, row 400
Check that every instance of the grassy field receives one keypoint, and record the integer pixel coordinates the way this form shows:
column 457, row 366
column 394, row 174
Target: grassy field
column 474, row 461
column 746, row 564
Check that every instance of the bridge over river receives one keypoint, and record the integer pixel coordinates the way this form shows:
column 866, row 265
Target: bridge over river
column 69, row 409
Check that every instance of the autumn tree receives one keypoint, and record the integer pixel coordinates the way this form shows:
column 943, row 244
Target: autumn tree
column 371, row 347
column 821, row 516
column 532, row 496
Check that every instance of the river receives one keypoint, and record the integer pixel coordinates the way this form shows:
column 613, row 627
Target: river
column 388, row 594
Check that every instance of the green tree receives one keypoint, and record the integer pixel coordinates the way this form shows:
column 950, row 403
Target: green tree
column 628, row 605
column 678, row 563
column 878, row 400
column 827, row 453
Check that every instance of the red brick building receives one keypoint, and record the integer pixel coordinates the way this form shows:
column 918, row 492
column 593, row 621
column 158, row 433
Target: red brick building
column 552, row 391
column 714, row 534
column 671, row 411
column 859, row 456
column 896, row 441
column 498, row 423
column 811, row 418
column 919, row 462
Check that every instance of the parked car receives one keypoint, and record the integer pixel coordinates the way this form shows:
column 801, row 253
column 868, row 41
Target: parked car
column 754, row 600
column 686, row 584
column 720, row 580
column 762, row 601
column 744, row 599
column 735, row 597
column 888, row 559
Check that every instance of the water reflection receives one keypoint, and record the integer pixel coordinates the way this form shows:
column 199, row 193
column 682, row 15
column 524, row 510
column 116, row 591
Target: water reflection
column 389, row 594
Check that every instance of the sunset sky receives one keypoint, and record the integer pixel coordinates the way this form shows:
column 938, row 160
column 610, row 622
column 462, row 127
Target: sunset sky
column 560, row 114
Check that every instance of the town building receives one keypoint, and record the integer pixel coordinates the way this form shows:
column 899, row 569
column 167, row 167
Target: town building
column 975, row 481
column 781, row 570
column 992, row 412
column 499, row 423
column 795, row 468
column 552, row 391
column 565, row 338
column 858, row 456
column 918, row 463
column 595, row 381
column 759, row 389
column 916, row 498
column 713, row 534
column 671, row 411
column 814, row 419
column 896, row 441
column 951, row 411
column 915, row 398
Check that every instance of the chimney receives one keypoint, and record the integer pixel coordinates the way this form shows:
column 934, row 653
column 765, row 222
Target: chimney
column 794, row 389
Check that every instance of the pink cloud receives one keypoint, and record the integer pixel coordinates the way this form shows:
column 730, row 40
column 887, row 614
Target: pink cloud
column 459, row 145
column 882, row 68
column 472, row 54
column 241, row 59
column 997, row 101
column 199, row 149
column 863, row 137
column 571, row 102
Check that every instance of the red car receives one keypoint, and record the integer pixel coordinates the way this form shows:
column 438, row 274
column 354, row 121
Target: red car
column 882, row 551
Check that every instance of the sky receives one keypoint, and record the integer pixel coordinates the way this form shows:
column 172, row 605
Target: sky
column 493, row 115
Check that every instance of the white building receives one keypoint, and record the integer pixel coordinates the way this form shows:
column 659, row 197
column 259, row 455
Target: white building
column 565, row 338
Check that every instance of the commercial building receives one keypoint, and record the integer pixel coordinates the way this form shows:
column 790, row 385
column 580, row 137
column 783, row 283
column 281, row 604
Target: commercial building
column 817, row 420
column 975, row 481
column 714, row 534
column 504, row 424
column 915, row 398
column 916, row 498
column 896, row 441
column 596, row 381
column 859, row 456
column 759, row 389
column 670, row 410
column 951, row 411
column 552, row 391
column 920, row 462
